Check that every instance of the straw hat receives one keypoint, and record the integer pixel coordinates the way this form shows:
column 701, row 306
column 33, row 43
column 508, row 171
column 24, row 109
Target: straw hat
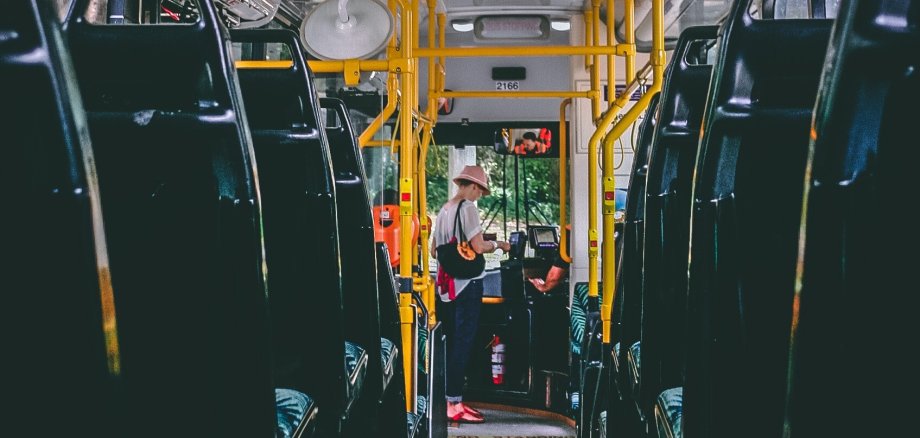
column 476, row 175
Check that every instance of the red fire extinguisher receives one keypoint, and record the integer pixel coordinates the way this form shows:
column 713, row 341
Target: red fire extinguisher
column 498, row 360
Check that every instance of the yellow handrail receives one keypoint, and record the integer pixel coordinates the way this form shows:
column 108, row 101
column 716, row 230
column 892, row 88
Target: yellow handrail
column 609, row 271
column 407, row 317
column 339, row 66
column 364, row 139
column 595, row 74
column 516, row 94
column 629, row 18
column 471, row 52
column 589, row 39
column 264, row 64
column 593, row 144
column 563, row 190
column 611, row 62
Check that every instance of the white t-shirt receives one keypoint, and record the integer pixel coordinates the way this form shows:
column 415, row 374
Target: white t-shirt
column 444, row 231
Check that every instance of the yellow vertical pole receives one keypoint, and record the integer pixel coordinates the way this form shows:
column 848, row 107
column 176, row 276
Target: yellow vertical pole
column 658, row 59
column 611, row 62
column 442, row 35
column 608, row 191
column 406, row 203
column 596, row 59
column 589, row 31
column 563, row 189
column 628, row 21
column 608, row 267
column 392, row 45
column 417, row 201
column 432, row 114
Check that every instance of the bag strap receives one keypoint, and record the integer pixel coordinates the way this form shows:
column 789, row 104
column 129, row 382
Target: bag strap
column 459, row 224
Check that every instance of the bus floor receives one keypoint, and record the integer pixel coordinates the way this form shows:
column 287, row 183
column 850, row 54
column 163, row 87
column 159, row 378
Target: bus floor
column 513, row 422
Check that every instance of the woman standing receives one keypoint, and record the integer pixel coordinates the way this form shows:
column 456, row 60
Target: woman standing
column 461, row 299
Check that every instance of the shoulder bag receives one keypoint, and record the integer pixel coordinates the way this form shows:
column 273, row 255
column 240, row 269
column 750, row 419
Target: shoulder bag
column 458, row 258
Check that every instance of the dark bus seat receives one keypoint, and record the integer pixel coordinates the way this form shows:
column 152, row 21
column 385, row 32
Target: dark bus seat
column 672, row 157
column 669, row 407
column 578, row 317
column 414, row 424
column 181, row 213
column 55, row 271
column 388, row 353
column 356, row 236
column 587, row 353
column 628, row 301
column 295, row 412
column 356, row 362
column 393, row 415
column 747, row 198
column 425, row 374
column 851, row 371
column 414, row 420
column 301, row 234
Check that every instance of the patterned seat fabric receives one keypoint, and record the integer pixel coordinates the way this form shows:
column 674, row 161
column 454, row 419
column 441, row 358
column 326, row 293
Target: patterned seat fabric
column 635, row 365
column 290, row 408
column 388, row 353
column 579, row 315
column 668, row 412
column 355, row 368
column 422, row 345
column 413, row 420
column 635, row 357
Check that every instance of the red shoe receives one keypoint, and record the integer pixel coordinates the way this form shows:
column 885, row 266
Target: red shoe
column 471, row 411
column 466, row 417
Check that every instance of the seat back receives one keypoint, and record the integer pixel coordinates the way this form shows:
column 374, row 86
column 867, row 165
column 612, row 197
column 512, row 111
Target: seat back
column 300, row 227
column 747, row 198
column 359, row 278
column 58, row 324
column 628, row 300
column 672, row 157
column 850, row 363
column 181, row 216
column 393, row 410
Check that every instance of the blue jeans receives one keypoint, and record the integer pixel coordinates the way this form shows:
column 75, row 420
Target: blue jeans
column 461, row 319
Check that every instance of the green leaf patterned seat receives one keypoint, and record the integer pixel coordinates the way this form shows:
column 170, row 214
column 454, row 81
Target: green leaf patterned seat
column 388, row 353
column 355, row 369
column 413, row 420
column 668, row 412
column 294, row 410
column 578, row 316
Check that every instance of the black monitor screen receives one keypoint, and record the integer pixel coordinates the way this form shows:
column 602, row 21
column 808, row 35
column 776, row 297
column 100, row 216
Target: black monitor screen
column 543, row 237
column 546, row 237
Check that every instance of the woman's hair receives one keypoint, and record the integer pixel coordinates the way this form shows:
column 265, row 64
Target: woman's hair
column 465, row 182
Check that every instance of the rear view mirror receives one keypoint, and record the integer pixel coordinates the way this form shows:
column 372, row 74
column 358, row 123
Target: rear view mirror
column 529, row 142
